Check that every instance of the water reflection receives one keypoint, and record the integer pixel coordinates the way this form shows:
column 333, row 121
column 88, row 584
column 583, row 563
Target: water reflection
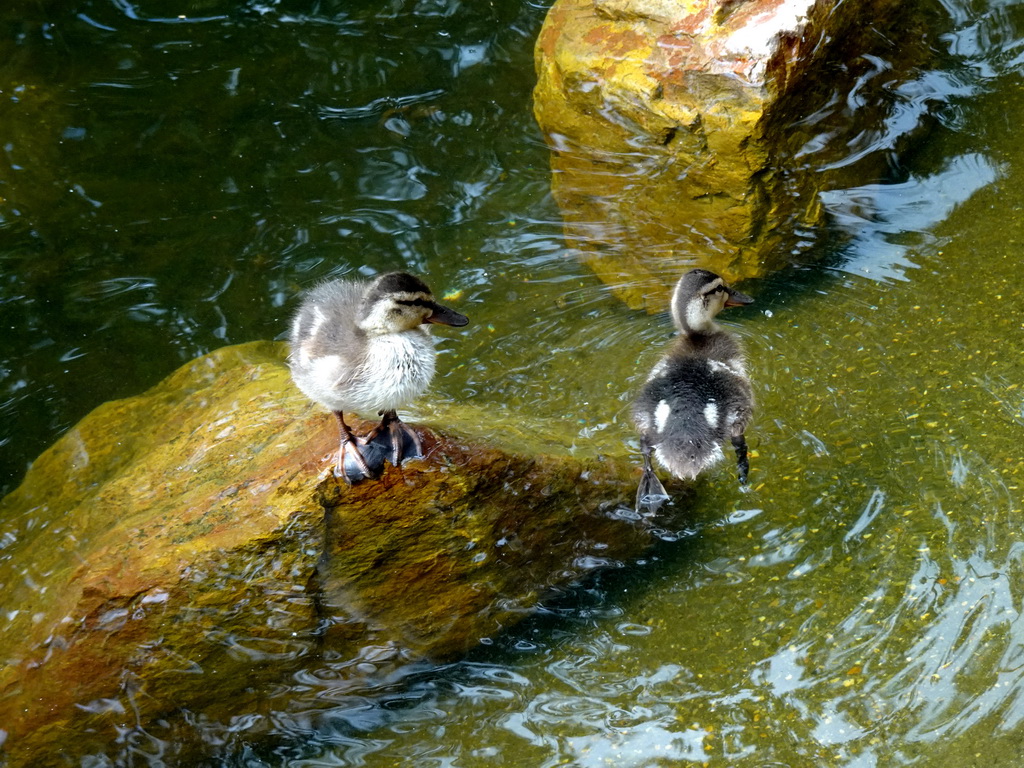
column 885, row 220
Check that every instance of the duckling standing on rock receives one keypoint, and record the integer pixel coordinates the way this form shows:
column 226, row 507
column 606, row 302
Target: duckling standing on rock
column 362, row 346
column 698, row 394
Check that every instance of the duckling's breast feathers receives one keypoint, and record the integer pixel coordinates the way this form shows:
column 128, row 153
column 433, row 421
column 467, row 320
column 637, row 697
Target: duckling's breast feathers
column 336, row 363
column 395, row 370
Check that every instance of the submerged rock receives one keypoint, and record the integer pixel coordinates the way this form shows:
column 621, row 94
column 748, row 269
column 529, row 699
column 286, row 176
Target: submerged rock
column 700, row 133
column 155, row 560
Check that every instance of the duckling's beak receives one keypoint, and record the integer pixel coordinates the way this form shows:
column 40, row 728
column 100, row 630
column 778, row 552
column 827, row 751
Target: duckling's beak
column 737, row 299
column 442, row 315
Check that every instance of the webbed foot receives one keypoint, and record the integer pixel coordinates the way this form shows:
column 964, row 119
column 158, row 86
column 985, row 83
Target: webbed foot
column 650, row 494
column 396, row 439
column 358, row 461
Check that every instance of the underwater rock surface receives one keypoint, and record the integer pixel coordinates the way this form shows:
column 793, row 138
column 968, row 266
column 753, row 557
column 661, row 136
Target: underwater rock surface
column 184, row 551
column 700, row 133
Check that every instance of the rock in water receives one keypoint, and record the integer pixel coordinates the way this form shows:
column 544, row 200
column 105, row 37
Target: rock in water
column 155, row 559
column 681, row 133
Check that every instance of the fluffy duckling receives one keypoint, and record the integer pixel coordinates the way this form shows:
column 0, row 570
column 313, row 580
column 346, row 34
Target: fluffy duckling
column 698, row 394
column 364, row 346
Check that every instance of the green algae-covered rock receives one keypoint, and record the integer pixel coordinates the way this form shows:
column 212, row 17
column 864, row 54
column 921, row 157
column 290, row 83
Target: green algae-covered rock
column 184, row 549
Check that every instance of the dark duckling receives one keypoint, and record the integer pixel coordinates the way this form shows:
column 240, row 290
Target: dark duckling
column 698, row 395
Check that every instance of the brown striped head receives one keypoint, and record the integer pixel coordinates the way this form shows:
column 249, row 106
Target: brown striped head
column 398, row 301
column 698, row 297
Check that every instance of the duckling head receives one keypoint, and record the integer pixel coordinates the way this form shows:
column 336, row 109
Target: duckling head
column 398, row 302
column 698, row 297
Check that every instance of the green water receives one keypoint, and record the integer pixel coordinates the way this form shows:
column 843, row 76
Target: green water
column 171, row 184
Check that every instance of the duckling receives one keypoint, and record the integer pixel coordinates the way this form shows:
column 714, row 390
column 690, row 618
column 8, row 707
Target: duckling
column 698, row 394
column 364, row 346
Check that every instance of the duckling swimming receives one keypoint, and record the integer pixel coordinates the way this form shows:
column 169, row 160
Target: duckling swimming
column 698, row 394
column 364, row 346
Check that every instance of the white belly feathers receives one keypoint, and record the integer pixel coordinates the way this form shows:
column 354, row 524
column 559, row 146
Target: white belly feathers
column 397, row 369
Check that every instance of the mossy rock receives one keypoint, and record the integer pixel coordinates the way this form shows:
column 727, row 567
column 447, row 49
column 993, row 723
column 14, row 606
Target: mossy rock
column 187, row 549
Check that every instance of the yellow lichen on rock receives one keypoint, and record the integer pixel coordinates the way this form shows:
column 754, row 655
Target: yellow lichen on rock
column 674, row 125
column 157, row 557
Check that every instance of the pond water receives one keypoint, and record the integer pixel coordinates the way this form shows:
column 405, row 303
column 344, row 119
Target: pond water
column 176, row 173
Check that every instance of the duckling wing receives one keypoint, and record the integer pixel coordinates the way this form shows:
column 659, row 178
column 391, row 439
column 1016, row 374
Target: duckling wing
column 325, row 323
column 688, row 410
column 327, row 347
